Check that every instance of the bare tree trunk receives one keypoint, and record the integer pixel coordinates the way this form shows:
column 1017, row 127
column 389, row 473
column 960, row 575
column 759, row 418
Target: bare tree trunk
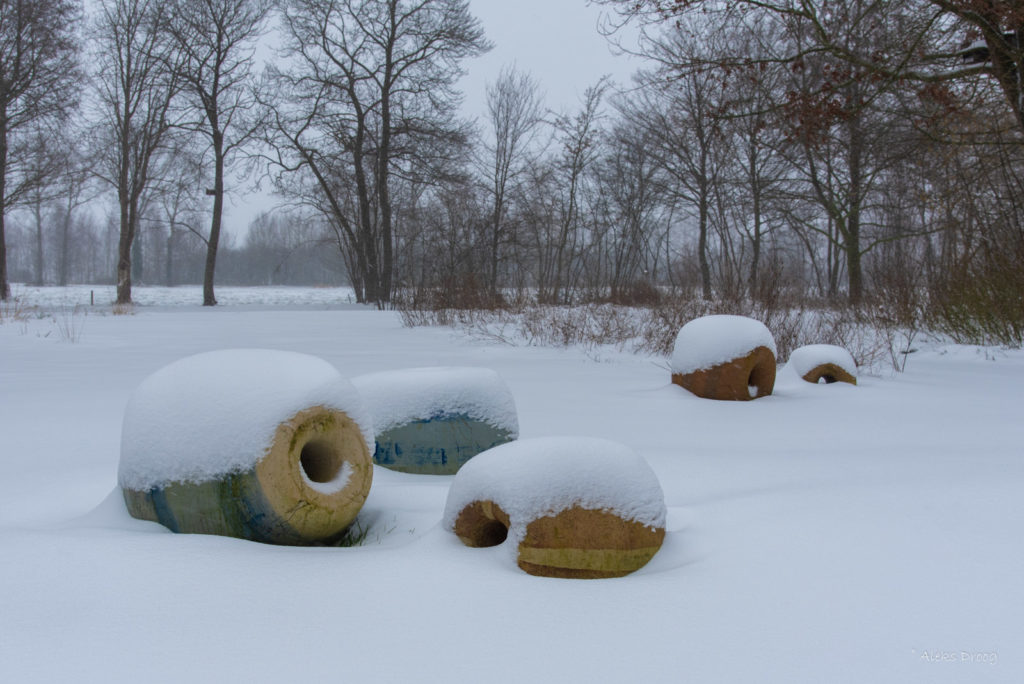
column 365, row 244
column 852, row 237
column 832, row 260
column 169, row 258
column 37, row 213
column 124, row 254
column 5, row 287
column 64, row 267
column 384, row 162
column 702, row 244
column 755, row 256
column 753, row 160
column 215, row 223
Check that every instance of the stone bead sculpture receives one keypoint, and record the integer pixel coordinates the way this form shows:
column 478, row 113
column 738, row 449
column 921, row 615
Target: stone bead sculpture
column 569, row 507
column 824, row 363
column 261, row 445
column 725, row 357
column 433, row 420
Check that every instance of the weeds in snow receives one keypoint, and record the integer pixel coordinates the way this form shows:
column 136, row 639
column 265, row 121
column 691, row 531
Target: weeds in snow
column 874, row 336
column 355, row 535
column 69, row 322
column 14, row 310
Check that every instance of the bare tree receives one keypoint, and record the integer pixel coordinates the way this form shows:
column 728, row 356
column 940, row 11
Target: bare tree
column 38, row 85
column 514, row 116
column 215, row 42
column 136, row 85
column 74, row 191
column 920, row 41
column 374, row 84
column 47, row 159
column 630, row 196
column 579, row 137
column 687, row 141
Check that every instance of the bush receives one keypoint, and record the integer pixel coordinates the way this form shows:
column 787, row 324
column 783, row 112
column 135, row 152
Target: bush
column 983, row 304
column 872, row 334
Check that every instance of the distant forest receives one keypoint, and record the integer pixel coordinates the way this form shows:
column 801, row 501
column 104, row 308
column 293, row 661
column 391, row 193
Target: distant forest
column 848, row 152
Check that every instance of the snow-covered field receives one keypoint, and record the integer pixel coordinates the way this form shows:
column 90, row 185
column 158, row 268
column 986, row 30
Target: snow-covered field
column 60, row 298
column 823, row 534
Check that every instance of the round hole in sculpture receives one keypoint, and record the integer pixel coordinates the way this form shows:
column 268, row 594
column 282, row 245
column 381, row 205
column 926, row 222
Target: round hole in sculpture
column 761, row 378
column 490, row 534
column 320, row 461
column 828, row 379
column 481, row 524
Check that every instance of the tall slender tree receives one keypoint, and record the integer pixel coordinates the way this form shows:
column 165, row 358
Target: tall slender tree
column 514, row 116
column 215, row 41
column 39, row 81
column 373, row 81
column 579, row 137
column 137, row 84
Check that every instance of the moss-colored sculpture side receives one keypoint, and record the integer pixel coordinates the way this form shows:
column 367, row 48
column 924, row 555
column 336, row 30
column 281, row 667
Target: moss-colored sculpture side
column 742, row 379
column 438, row 445
column 233, row 506
column 276, row 501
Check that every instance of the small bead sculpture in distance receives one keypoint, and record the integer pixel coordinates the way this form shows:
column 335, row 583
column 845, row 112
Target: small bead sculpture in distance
column 824, row 363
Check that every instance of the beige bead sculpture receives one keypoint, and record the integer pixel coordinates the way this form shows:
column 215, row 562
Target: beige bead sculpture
column 579, row 508
column 256, row 444
column 725, row 357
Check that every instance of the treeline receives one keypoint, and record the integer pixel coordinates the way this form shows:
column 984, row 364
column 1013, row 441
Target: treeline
column 279, row 249
column 848, row 152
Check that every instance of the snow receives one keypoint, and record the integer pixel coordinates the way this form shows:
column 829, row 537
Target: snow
column 820, row 534
column 335, row 484
column 711, row 340
column 396, row 397
column 533, row 478
column 805, row 359
column 48, row 298
column 215, row 413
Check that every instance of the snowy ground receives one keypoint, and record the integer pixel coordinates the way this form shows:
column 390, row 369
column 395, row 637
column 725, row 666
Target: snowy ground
column 823, row 534
column 62, row 298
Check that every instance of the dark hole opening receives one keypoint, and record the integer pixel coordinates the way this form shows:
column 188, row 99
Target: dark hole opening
column 491, row 534
column 756, row 380
column 320, row 461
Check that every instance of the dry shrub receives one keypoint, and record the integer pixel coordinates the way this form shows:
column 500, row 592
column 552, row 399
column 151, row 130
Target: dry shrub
column 69, row 322
column 873, row 335
column 984, row 303
column 873, row 340
column 14, row 309
column 638, row 293
column 460, row 292
column 593, row 324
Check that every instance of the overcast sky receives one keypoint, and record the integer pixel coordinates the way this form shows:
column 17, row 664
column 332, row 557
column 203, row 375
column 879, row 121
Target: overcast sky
column 557, row 41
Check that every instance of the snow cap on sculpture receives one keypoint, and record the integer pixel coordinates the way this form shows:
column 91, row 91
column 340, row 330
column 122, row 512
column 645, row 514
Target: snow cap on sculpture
column 823, row 362
column 433, row 420
column 574, row 507
column 259, row 444
column 725, row 357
